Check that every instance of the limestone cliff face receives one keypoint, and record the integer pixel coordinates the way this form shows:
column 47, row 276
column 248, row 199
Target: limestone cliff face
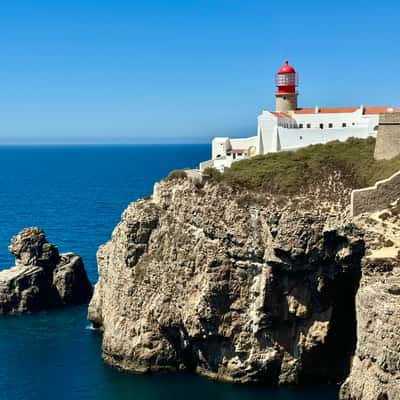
column 236, row 287
column 375, row 372
column 42, row 278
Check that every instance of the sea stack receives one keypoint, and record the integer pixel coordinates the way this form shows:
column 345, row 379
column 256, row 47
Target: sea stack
column 42, row 278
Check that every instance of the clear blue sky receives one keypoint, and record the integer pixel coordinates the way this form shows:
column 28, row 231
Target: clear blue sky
column 116, row 71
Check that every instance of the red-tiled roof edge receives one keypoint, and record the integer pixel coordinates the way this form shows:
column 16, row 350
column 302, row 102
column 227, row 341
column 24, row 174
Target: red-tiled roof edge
column 326, row 110
column 281, row 115
column 380, row 109
column 368, row 110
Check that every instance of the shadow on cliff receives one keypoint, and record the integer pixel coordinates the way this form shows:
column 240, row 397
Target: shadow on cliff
column 311, row 311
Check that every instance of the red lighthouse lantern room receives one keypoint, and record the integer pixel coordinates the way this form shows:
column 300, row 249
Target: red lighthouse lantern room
column 286, row 79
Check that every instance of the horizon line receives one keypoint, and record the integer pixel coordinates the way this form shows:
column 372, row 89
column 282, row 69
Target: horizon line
column 54, row 144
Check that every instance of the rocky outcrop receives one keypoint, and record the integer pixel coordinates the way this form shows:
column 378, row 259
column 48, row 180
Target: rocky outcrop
column 42, row 278
column 375, row 372
column 236, row 286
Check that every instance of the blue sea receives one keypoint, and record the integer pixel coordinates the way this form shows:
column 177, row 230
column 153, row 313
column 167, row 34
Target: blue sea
column 77, row 194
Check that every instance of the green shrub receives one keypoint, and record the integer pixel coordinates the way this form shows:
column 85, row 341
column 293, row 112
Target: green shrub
column 213, row 174
column 176, row 175
column 288, row 172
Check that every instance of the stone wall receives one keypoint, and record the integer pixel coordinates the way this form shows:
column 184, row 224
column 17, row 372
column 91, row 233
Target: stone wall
column 388, row 139
column 376, row 197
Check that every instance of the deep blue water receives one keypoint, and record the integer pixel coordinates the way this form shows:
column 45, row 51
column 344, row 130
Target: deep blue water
column 76, row 194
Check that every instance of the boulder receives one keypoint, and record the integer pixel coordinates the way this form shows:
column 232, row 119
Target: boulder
column 41, row 278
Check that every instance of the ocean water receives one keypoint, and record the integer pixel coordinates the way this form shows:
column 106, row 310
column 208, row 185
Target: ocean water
column 77, row 194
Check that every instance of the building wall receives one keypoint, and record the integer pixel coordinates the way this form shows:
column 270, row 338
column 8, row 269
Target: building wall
column 219, row 147
column 278, row 134
column 268, row 133
column 243, row 144
column 221, row 160
column 376, row 197
column 206, row 164
column 291, row 139
column 388, row 139
column 354, row 119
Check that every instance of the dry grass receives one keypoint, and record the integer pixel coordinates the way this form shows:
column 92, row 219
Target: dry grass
column 295, row 171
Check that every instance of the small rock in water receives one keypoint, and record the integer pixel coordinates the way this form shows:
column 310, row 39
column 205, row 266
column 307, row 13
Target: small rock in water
column 42, row 278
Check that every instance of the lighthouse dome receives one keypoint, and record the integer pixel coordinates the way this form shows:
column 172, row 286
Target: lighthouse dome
column 286, row 69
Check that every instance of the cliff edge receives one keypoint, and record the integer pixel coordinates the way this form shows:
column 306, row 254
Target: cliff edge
column 375, row 371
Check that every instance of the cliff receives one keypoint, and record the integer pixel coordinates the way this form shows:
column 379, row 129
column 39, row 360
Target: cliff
column 234, row 285
column 375, row 372
column 42, row 278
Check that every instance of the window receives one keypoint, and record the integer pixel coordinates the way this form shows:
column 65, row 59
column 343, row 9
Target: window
column 300, row 125
column 344, row 125
column 353, row 123
column 301, row 137
column 321, row 126
column 330, row 125
column 308, row 125
column 376, row 127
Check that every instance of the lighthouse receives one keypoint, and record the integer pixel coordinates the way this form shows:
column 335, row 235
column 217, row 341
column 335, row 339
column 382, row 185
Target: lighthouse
column 286, row 83
column 290, row 127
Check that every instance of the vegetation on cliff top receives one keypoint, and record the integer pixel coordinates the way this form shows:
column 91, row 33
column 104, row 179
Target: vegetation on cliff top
column 176, row 174
column 286, row 172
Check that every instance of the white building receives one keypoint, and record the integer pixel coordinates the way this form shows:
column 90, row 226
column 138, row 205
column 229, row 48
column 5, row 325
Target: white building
column 290, row 127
